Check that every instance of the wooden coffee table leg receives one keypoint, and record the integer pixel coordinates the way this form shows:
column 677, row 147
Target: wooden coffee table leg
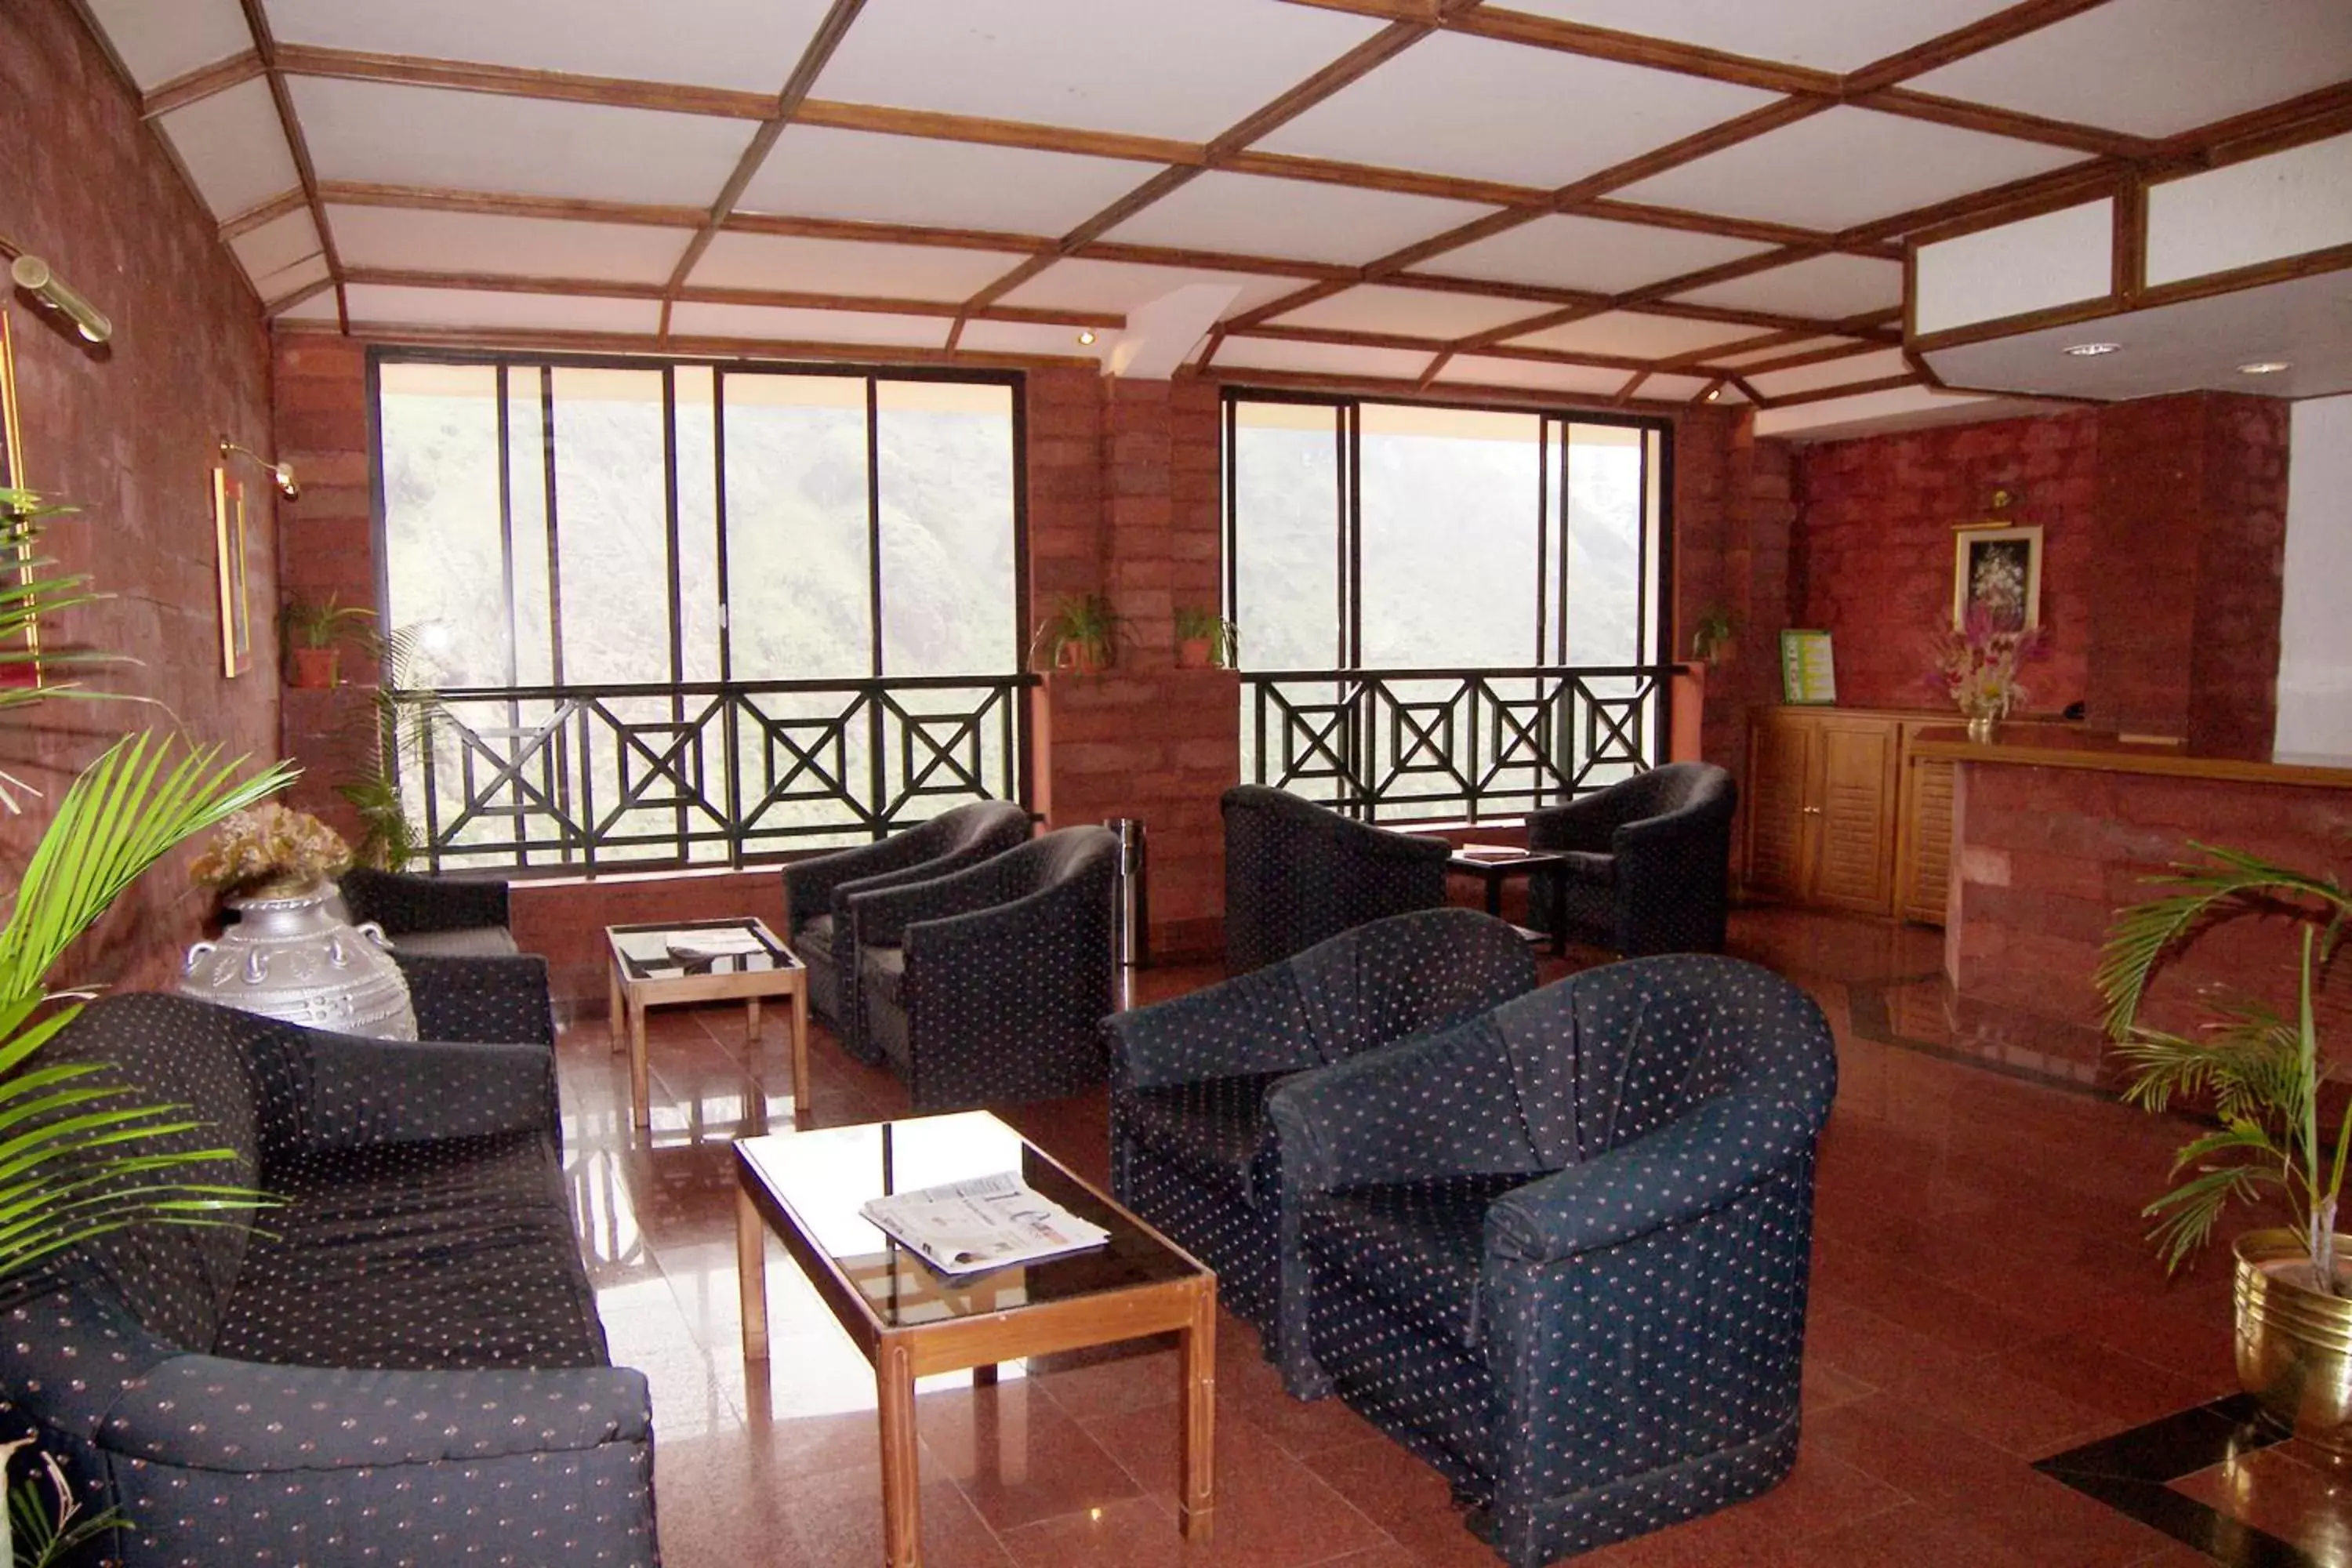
column 751, row 1021
column 902, row 1517
column 641, row 1097
column 1199, row 1415
column 751, row 1275
column 800, row 1054
column 613, row 1007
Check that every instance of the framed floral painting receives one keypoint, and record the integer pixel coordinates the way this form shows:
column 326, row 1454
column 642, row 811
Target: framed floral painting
column 1997, row 569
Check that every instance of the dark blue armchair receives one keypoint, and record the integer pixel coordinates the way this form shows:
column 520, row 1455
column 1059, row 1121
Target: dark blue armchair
column 1296, row 873
column 1561, row 1250
column 1189, row 1080
column 1647, row 862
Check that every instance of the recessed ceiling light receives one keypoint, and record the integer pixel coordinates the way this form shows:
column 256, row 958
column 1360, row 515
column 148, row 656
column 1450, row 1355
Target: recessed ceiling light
column 1086, row 336
column 2091, row 351
column 1714, row 394
column 2264, row 367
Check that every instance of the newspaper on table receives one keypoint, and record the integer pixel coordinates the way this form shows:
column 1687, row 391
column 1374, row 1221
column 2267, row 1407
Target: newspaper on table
column 692, row 947
column 985, row 1222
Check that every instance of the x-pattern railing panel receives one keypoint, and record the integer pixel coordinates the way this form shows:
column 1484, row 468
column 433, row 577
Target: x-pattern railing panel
column 705, row 772
column 1473, row 744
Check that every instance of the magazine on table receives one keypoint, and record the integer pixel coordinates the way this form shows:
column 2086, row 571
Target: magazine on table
column 986, row 1222
column 702, row 946
column 1494, row 851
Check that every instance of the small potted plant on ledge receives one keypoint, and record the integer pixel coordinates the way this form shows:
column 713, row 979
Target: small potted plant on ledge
column 1204, row 639
column 1711, row 639
column 1081, row 636
column 2261, row 1072
column 1977, row 666
column 313, row 636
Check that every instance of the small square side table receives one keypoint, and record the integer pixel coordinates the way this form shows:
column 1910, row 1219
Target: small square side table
column 646, row 972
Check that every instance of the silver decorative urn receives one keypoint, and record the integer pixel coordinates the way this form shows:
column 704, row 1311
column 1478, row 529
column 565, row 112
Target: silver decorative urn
column 290, row 957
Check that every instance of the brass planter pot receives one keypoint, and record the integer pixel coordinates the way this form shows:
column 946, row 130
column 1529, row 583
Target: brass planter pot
column 2294, row 1345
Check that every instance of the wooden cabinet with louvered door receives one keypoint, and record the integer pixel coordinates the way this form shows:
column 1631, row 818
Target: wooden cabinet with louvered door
column 1821, row 802
column 1779, row 766
column 1923, row 836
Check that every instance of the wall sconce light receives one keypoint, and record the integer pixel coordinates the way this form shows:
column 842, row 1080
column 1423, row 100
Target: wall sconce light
column 33, row 275
column 281, row 473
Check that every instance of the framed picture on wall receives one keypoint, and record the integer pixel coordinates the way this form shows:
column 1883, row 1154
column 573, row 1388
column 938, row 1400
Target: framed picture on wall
column 228, row 539
column 2000, row 570
column 22, row 667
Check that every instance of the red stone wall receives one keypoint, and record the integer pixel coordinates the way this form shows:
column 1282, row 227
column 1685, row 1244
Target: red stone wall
column 1874, row 547
column 2241, row 578
column 128, row 433
column 2045, row 856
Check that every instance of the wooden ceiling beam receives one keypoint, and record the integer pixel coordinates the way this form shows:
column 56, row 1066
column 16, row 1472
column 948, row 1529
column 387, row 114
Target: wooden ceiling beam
column 431, row 198
column 1208, row 260
column 756, row 351
column 1640, row 50
column 517, row 81
column 201, row 83
column 1852, row 389
column 930, row 126
column 863, row 232
column 266, row 47
column 1400, row 390
column 2009, row 122
column 286, row 201
column 773, row 298
column 1985, row 33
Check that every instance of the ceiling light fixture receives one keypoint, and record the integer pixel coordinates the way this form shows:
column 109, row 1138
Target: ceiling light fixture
column 1714, row 394
column 2264, row 367
column 2090, row 350
column 280, row 474
column 1086, row 336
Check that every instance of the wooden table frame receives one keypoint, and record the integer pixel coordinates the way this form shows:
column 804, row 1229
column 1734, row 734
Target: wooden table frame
column 629, row 999
column 1494, row 873
column 900, row 1355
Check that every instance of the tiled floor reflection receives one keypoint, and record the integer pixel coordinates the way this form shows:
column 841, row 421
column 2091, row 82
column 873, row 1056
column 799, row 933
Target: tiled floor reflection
column 1981, row 1299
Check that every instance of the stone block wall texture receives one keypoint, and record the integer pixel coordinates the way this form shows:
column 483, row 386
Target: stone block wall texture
column 2045, row 856
column 128, row 433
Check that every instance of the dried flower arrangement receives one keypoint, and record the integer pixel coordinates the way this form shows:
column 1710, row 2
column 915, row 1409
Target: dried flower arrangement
column 1977, row 666
column 270, row 852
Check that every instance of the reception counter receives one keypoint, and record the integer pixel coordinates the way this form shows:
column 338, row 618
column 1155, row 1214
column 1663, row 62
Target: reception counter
column 2057, row 828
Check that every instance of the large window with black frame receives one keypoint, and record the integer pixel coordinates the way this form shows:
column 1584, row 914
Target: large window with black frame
column 1446, row 613
column 676, row 613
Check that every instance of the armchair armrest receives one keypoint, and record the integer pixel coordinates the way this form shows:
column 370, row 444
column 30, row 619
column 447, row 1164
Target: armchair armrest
column 1431, row 1105
column 881, row 917
column 353, row 1091
column 401, row 902
column 1388, row 844
column 810, row 884
column 923, row 871
column 1692, row 1166
column 1255, row 1022
column 1586, row 824
column 257, row 1417
column 503, row 1000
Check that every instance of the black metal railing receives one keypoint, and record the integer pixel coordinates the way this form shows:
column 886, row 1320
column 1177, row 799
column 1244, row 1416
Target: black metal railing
column 1453, row 744
column 702, row 773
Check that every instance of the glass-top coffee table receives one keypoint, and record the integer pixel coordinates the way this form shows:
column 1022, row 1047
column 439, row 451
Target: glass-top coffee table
column 912, row 1321
column 704, row 961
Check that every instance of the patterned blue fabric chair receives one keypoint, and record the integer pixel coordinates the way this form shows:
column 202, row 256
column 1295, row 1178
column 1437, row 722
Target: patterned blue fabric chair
column 817, row 892
column 991, row 984
column 434, row 916
column 1649, row 861
column 1561, row 1250
column 400, row 1363
column 1189, row 1080
column 1296, row 873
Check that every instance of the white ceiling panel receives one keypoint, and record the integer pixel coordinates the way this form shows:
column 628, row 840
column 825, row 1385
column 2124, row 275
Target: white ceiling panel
column 1319, row 358
column 1831, row 373
column 233, row 148
column 848, row 266
column 160, row 39
column 375, row 131
column 1127, row 287
column 1592, row 253
column 1634, row 335
column 412, row 241
column 1830, row 286
column 859, row 327
column 2155, row 67
column 1454, row 104
column 318, row 307
column 1146, row 66
column 491, row 309
column 1672, row 388
column 1827, row 35
column 1845, row 167
column 290, row 279
column 277, row 244
column 1785, row 351
column 1408, row 313
column 816, row 172
column 747, row 43
column 1300, row 219
column 1027, row 338
column 1486, row 370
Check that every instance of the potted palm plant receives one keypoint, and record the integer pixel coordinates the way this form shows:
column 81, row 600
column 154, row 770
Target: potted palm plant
column 1082, row 635
column 78, row 1155
column 313, row 636
column 1204, row 639
column 2262, row 1073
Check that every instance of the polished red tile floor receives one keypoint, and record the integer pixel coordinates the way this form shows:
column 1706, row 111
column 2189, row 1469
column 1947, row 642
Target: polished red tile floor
column 1980, row 1300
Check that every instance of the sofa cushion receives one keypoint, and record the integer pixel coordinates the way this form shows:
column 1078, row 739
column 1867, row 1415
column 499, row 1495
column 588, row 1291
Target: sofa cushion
column 1208, row 1127
column 466, row 941
column 813, row 941
column 1412, row 1250
column 449, row 1252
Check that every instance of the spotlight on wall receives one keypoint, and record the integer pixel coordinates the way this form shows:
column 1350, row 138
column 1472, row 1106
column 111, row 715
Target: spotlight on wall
column 33, row 275
column 282, row 474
